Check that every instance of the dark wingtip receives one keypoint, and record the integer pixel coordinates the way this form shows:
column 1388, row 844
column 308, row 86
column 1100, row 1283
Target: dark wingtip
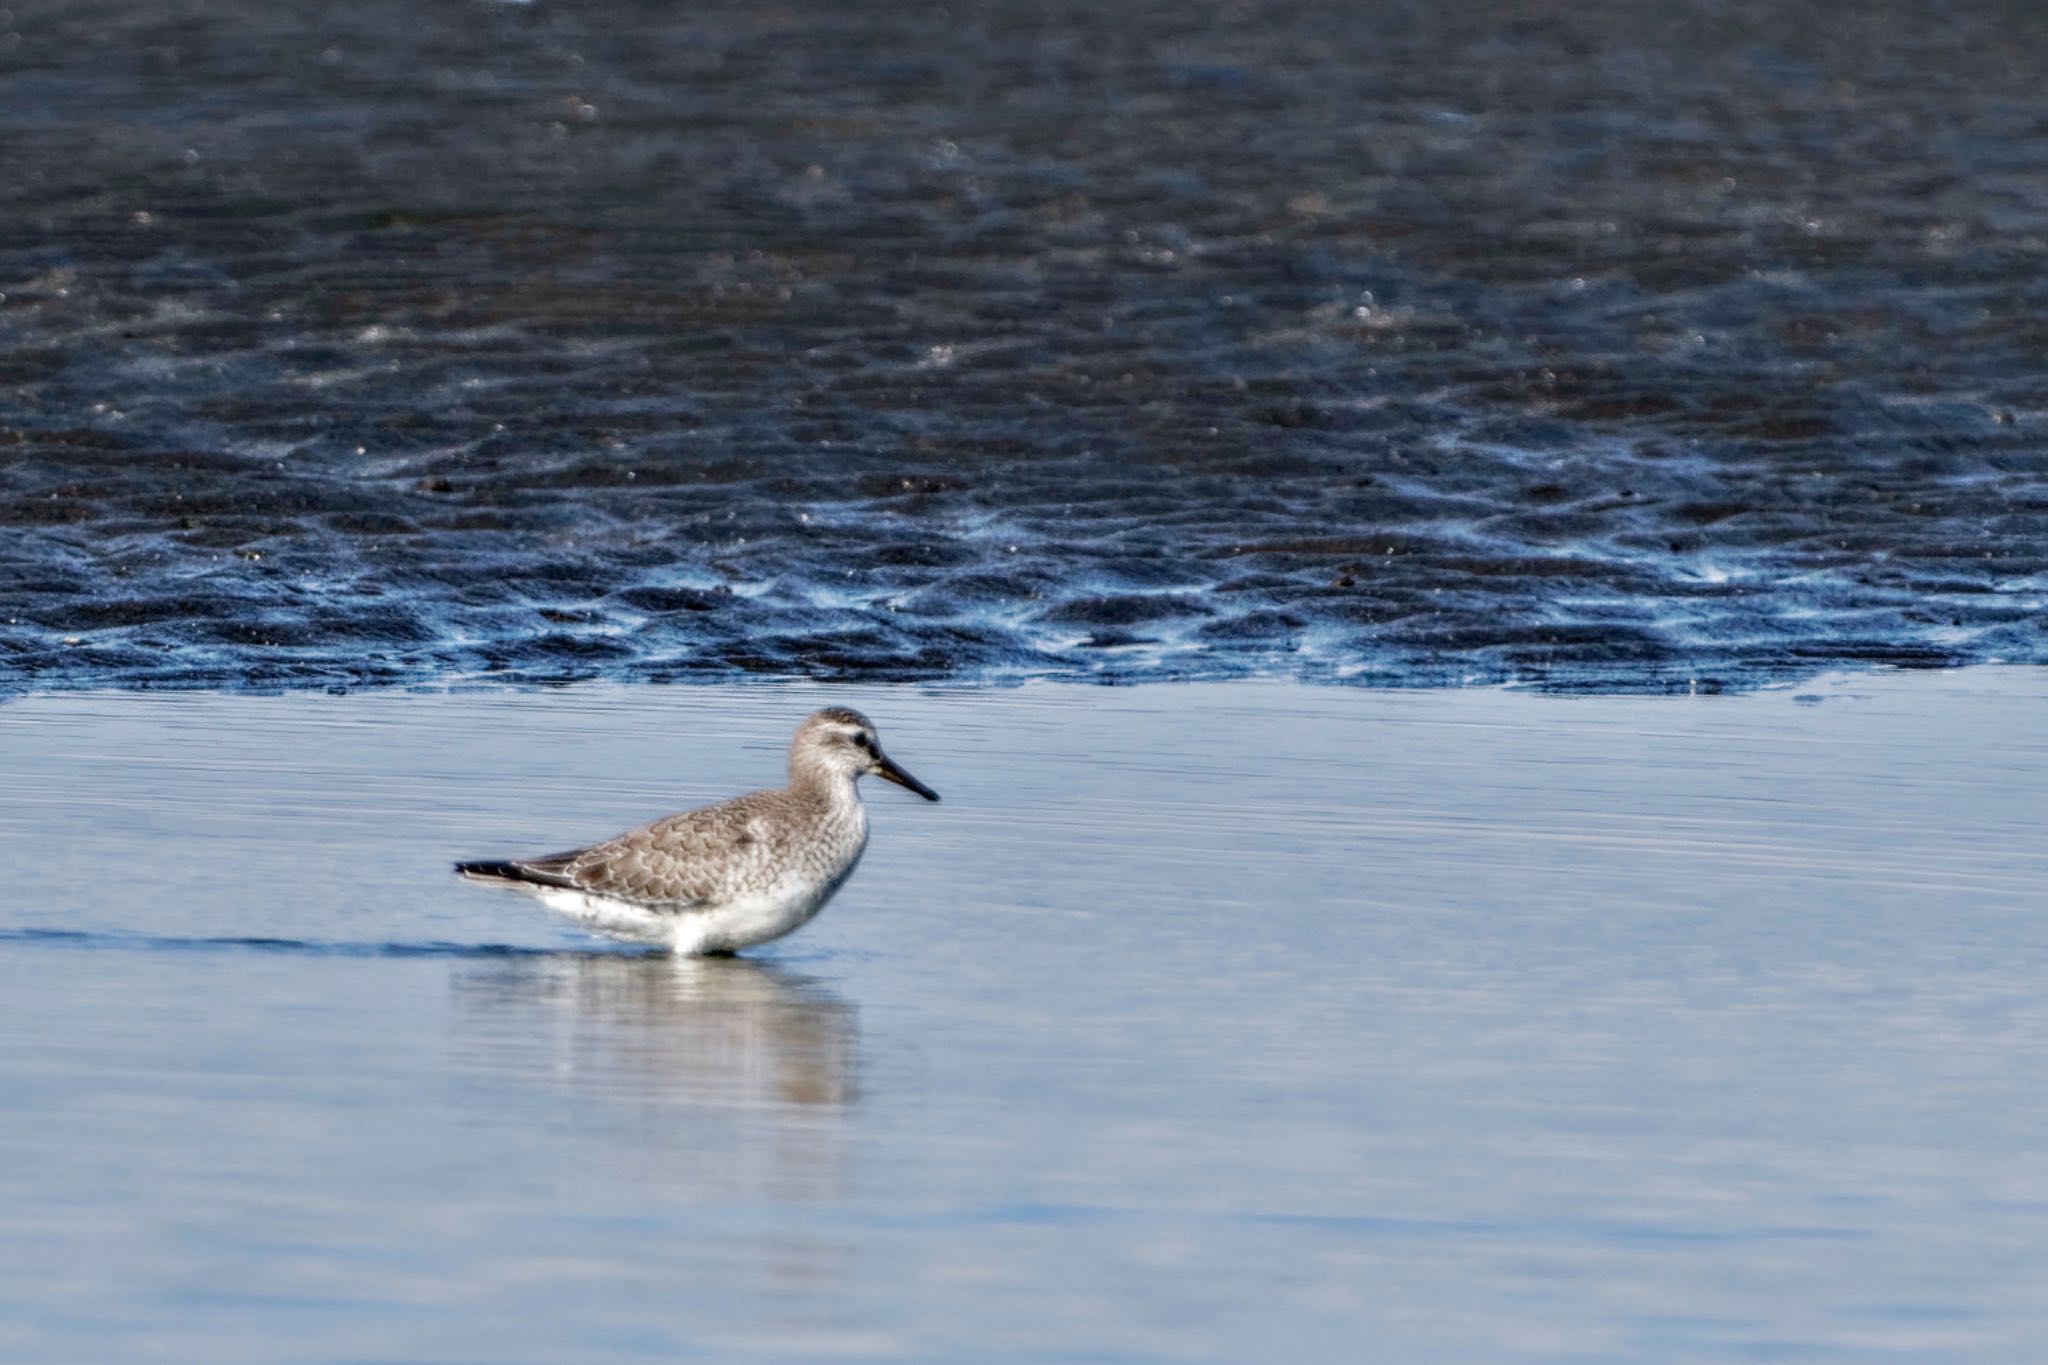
column 536, row 871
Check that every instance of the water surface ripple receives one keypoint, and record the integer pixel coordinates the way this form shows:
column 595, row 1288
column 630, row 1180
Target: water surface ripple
column 1591, row 345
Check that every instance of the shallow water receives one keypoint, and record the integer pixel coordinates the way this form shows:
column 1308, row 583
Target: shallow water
column 1595, row 345
column 1209, row 1022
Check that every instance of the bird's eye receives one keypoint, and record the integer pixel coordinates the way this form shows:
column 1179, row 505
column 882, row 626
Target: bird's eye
column 862, row 742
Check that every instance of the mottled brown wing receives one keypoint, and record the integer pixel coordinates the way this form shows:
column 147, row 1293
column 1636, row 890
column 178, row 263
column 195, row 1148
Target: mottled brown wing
column 686, row 860
column 550, row 866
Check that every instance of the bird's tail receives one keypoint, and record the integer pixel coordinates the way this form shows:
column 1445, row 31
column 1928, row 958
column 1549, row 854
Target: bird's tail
column 491, row 870
column 526, row 871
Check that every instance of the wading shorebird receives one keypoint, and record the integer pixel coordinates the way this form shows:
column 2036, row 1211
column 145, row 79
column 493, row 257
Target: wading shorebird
column 729, row 876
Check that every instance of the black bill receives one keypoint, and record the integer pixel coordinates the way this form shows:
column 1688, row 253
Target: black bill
column 892, row 773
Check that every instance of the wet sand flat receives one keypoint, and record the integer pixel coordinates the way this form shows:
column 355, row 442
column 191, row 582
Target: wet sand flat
column 1601, row 346
column 1201, row 1022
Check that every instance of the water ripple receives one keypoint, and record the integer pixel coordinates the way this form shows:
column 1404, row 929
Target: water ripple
column 1617, row 350
column 131, row 942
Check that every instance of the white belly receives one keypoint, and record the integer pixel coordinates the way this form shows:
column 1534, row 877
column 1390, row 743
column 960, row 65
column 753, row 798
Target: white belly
column 743, row 922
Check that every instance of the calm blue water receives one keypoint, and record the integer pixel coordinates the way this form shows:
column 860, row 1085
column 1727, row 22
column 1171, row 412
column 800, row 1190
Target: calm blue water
column 1200, row 1023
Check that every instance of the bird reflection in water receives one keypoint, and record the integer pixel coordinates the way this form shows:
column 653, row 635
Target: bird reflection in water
column 730, row 1078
